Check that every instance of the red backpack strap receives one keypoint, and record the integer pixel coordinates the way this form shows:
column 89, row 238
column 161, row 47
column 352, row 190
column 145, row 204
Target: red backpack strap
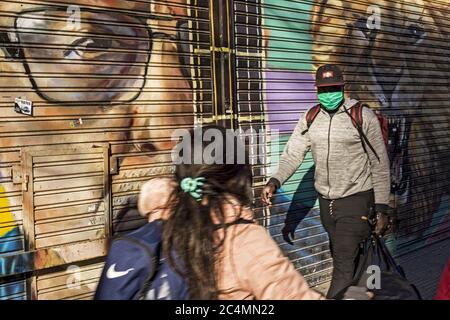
column 311, row 116
column 384, row 125
column 353, row 116
column 356, row 113
column 357, row 120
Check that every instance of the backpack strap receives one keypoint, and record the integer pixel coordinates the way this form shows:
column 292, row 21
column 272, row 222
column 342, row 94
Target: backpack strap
column 357, row 117
column 151, row 277
column 238, row 221
column 357, row 121
column 310, row 117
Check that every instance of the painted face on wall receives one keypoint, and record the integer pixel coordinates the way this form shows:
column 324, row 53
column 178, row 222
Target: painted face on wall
column 386, row 36
column 85, row 59
column 391, row 54
column 101, row 71
column 98, row 71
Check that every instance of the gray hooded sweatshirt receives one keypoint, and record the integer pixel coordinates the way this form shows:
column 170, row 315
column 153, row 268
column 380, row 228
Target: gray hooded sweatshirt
column 342, row 167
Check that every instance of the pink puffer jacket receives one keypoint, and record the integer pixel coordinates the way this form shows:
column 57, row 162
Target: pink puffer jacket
column 250, row 265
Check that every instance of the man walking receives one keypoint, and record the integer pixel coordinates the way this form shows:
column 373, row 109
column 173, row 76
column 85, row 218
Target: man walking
column 351, row 170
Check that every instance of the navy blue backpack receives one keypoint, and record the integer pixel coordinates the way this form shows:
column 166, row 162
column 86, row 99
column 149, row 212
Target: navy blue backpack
column 136, row 270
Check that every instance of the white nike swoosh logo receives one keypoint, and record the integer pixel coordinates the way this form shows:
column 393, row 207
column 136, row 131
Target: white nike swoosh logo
column 112, row 273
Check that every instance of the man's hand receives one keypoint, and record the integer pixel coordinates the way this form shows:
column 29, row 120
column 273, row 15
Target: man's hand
column 267, row 193
column 382, row 224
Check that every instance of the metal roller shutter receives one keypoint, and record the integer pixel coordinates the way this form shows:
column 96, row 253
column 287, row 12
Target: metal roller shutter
column 73, row 283
column 249, row 95
column 120, row 74
column 282, row 101
column 394, row 57
column 66, row 201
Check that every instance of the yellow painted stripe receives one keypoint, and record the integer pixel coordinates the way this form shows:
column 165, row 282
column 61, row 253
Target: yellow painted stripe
column 5, row 217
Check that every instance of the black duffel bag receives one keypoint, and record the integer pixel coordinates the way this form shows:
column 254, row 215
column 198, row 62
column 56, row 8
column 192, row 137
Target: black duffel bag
column 375, row 258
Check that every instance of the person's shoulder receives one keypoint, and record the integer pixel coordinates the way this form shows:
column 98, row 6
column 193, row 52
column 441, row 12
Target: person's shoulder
column 244, row 228
column 250, row 235
column 311, row 108
column 367, row 112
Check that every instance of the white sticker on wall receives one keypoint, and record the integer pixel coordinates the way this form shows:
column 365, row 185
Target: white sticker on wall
column 23, row 106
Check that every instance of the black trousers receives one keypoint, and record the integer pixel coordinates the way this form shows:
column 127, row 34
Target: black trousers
column 345, row 221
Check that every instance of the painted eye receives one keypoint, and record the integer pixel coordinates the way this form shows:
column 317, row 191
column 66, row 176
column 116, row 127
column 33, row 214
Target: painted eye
column 81, row 47
column 416, row 33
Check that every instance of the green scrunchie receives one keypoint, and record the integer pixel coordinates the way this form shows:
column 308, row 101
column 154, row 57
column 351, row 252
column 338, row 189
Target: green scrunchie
column 193, row 187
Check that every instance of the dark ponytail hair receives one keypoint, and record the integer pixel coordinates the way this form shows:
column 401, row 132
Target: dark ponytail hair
column 190, row 231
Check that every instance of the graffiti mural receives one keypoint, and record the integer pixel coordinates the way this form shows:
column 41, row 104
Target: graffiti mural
column 95, row 71
column 10, row 241
column 294, row 217
column 397, row 68
column 122, row 75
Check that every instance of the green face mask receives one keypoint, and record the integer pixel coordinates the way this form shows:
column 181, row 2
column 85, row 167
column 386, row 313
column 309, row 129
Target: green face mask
column 331, row 100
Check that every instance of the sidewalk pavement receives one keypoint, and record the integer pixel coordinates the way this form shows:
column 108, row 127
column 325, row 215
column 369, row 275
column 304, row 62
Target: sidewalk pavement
column 423, row 268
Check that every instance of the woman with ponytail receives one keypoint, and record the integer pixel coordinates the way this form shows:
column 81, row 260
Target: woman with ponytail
column 225, row 254
column 202, row 216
